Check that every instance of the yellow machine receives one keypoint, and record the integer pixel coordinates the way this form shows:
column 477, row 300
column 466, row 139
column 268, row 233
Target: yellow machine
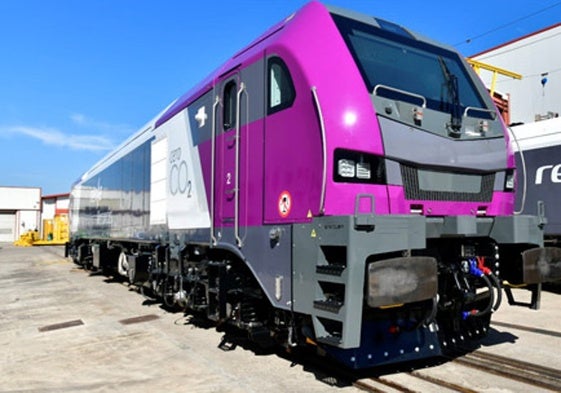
column 55, row 232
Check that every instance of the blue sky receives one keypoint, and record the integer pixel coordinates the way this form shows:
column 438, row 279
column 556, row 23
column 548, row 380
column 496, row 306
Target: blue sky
column 77, row 77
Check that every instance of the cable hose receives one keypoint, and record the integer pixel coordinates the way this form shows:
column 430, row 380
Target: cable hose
column 428, row 318
column 497, row 284
column 432, row 315
column 164, row 295
column 489, row 307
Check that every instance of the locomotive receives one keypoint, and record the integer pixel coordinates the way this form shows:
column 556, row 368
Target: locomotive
column 341, row 183
column 537, row 147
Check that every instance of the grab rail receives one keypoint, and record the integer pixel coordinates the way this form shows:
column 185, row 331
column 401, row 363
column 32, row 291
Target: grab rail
column 213, row 240
column 405, row 92
column 324, row 150
column 474, row 108
column 237, row 180
column 364, row 221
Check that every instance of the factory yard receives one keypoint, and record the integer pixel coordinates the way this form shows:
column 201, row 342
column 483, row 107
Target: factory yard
column 63, row 329
column 106, row 351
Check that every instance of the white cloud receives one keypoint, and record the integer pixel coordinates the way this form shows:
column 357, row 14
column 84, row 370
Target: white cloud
column 54, row 137
column 82, row 120
column 78, row 118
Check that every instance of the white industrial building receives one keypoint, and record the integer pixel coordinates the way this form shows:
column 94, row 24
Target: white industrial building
column 53, row 205
column 20, row 211
column 536, row 56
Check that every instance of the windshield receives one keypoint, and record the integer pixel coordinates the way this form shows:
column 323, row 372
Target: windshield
column 401, row 62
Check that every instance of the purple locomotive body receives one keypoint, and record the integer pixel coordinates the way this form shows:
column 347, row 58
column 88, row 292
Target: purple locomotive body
column 341, row 182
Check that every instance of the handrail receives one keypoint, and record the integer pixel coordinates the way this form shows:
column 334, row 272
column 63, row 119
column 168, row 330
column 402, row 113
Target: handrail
column 237, row 179
column 407, row 93
column 213, row 240
column 364, row 221
column 474, row 108
column 324, row 150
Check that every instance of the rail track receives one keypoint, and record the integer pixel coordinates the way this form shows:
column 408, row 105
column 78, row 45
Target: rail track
column 527, row 373
column 544, row 332
column 528, row 376
column 469, row 369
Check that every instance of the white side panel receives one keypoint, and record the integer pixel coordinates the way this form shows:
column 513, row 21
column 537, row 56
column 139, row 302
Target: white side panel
column 187, row 206
column 537, row 135
column 7, row 226
column 158, row 181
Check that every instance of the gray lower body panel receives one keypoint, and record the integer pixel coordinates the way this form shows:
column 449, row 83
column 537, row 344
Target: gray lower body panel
column 331, row 257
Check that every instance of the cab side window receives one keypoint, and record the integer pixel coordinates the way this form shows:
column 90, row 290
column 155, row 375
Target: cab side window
column 281, row 93
column 230, row 101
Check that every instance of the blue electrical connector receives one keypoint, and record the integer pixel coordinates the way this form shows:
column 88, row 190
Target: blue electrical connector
column 473, row 269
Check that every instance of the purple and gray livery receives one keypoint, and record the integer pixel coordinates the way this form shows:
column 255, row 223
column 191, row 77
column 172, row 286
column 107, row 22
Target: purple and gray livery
column 341, row 182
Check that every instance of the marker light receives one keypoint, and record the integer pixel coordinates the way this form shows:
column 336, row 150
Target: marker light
column 482, row 211
column 509, row 180
column 418, row 114
column 363, row 170
column 483, row 126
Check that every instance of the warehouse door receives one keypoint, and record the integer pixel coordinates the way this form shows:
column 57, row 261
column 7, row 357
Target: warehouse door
column 7, row 226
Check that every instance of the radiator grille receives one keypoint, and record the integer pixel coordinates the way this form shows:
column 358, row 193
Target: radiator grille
column 413, row 190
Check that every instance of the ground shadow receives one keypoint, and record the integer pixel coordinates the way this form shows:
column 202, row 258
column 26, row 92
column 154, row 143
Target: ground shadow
column 323, row 368
column 554, row 287
column 496, row 337
column 330, row 372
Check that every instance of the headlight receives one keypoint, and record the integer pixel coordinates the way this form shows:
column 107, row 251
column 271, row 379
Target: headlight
column 357, row 167
column 346, row 168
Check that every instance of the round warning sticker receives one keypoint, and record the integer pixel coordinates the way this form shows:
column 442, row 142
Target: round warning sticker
column 285, row 203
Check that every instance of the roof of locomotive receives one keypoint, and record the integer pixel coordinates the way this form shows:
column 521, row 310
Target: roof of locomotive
column 269, row 36
column 239, row 59
column 123, row 148
column 236, row 60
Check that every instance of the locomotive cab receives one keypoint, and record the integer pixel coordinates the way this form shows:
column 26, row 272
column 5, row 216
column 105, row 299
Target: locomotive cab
column 418, row 207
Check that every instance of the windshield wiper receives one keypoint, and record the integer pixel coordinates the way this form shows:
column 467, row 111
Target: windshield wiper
column 453, row 96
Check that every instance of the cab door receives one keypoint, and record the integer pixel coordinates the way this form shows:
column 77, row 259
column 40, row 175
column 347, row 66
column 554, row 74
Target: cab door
column 230, row 118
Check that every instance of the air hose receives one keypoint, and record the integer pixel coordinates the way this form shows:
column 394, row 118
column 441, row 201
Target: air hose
column 497, row 284
column 432, row 315
column 479, row 273
column 495, row 281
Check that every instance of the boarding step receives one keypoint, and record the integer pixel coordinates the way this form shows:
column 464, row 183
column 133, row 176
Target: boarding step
column 332, row 270
column 328, row 305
